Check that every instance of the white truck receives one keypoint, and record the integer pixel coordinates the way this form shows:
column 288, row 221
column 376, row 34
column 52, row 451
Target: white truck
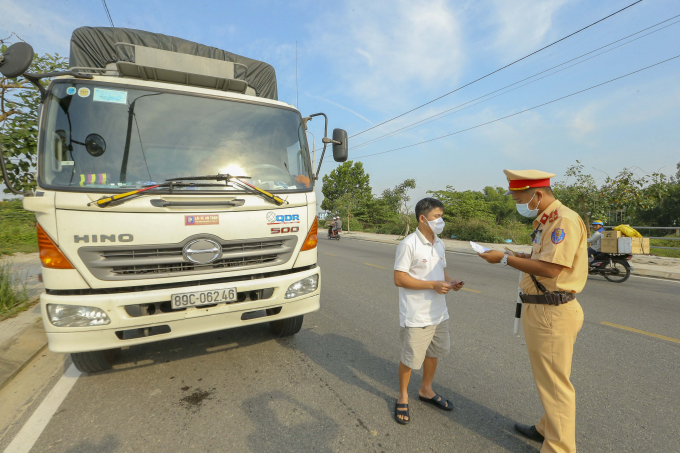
column 175, row 195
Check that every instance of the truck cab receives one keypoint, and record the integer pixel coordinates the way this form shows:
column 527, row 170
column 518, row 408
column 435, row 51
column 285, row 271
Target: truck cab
column 174, row 197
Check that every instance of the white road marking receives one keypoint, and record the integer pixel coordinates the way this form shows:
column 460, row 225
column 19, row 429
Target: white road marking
column 24, row 441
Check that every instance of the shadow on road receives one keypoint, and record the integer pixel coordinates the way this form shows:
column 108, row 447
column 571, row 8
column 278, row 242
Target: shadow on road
column 341, row 355
column 176, row 349
column 284, row 424
column 108, row 444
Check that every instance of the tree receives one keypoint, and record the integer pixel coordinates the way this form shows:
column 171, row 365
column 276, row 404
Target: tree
column 375, row 212
column 634, row 198
column 19, row 102
column 348, row 178
column 345, row 205
column 629, row 193
column 463, row 205
column 582, row 195
column 398, row 200
column 665, row 212
column 502, row 206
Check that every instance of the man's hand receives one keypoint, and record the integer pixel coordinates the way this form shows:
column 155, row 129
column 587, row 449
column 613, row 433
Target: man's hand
column 492, row 256
column 456, row 285
column 441, row 287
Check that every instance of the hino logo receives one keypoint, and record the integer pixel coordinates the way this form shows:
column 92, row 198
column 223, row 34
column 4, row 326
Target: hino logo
column 202, row 251
column 102, row 238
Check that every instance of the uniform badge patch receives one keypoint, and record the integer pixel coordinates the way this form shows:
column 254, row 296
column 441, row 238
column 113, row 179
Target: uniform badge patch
column 557, row 235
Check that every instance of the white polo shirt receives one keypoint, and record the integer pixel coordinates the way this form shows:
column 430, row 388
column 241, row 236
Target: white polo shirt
column 425, row 261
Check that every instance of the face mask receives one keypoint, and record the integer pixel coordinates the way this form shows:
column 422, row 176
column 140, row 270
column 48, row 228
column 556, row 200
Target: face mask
column 436, row 225
column 523, row 209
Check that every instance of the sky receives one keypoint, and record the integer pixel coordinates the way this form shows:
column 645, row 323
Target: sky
column 363, row 63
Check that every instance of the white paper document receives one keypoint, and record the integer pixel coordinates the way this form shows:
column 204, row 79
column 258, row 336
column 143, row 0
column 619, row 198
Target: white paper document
column 478, row 248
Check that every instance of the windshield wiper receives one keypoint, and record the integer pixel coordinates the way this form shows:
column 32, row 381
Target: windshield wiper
column 115, row 200
column 227, row 178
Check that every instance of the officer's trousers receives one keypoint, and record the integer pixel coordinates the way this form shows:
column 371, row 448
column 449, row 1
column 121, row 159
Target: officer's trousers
column 550, row 333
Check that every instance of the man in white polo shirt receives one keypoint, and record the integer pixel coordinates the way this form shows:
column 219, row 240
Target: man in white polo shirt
column 419, row 272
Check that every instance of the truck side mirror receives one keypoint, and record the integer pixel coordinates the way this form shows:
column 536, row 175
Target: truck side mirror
column 339, row 145
column 16, row 60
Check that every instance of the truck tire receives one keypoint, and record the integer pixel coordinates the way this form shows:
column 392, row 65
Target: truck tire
column 286, row 327
column 95, row 361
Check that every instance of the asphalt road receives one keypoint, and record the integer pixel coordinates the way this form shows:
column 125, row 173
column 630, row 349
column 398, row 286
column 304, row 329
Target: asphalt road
column 332, row 387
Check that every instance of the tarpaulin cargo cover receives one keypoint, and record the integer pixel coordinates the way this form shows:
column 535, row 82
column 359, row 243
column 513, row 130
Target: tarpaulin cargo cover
column 94, row 47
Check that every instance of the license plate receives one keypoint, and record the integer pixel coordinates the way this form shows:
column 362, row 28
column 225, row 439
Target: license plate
column 198, row 298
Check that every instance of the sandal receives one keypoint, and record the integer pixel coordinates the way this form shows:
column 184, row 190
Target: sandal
column 404, row 413
column 438, row 401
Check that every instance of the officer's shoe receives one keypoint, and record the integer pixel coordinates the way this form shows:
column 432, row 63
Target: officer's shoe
column 529, row 431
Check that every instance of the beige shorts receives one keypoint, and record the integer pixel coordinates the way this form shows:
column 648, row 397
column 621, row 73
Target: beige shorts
column 418, row 342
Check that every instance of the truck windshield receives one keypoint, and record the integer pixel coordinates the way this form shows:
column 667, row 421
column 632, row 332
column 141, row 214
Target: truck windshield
column 104, row 137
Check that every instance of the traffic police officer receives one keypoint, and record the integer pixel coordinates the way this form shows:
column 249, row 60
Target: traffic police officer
column 554, row 272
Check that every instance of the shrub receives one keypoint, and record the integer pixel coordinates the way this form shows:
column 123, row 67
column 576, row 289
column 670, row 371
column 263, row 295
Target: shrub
column 13, row 292
column 17, row 228
column 480, row 230
column 397, row 226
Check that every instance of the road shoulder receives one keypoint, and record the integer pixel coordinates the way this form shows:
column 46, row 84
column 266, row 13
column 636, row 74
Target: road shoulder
column 645, row 266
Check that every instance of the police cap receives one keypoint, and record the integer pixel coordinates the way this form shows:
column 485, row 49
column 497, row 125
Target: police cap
column 527, row 179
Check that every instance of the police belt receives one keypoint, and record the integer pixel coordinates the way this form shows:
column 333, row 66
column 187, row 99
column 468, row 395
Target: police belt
column 548, row 297
column 554, row 298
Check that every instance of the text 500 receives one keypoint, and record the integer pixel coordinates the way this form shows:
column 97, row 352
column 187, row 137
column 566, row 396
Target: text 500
column 285, row 230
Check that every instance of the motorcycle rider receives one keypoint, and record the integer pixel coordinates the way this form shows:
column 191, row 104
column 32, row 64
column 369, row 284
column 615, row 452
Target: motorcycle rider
column 331, row 226
column 595, row 239
column 338, row 226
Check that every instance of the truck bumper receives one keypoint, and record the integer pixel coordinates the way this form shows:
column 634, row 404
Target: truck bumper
column 174, row 324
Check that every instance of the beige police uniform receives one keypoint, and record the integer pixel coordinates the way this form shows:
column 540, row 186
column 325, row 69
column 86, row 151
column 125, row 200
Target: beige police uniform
column 550, row 330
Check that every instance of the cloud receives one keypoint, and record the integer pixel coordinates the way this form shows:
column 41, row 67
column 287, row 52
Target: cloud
column 626, row 106
column 343, row 108
column 45, row 27
column 385, row 50
column 522, row 25
column 584, row 121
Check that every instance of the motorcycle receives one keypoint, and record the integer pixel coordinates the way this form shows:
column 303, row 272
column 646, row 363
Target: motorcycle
column 614, row 268
column 334, row 234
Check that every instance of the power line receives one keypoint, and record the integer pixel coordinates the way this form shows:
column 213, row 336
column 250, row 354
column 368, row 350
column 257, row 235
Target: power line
column 520, row 112
column 106, row 8
column 497, row 70
column 441, row 115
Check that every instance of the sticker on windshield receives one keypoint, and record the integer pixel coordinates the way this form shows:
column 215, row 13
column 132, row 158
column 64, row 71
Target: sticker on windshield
column 115, row 96
column 71, row 91
column 84, row 92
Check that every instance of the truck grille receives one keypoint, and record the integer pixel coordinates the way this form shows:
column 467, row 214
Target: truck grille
column 165, row 260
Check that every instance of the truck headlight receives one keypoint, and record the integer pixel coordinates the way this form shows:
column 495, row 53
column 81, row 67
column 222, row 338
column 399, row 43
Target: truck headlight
column 76, row 316
column 304, row 286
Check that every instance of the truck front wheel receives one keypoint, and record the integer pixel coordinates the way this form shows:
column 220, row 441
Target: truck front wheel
column 95, row 361
column 286, row 327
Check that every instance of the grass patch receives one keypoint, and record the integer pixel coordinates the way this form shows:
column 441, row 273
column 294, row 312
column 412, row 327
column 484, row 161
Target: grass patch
column 13, row 292
column 17, row 229
column 665, row 243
